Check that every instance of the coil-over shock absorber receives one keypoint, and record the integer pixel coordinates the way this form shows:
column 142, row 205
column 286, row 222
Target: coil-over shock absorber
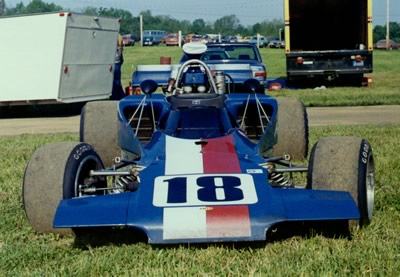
column 277, row 179
column 282, row 176
column 125, row 180
column 126, row 183
column 275, row 176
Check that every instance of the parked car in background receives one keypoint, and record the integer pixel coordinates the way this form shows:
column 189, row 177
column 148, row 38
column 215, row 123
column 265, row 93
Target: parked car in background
column 196, row 38
column 246, row 39
column 172, row 39
column 262, row 41
column 157, row 35
column 228, row 39
column 150, row 41
column 188, row 38
column 128, row 40
column 272, row 38
column 199, row 38
column 381, row 44
column 213, row 37
column 136, row 38
column 276, row 44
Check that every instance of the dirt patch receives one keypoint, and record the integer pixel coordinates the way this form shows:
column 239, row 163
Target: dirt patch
column 39, row 125
column 354, row 115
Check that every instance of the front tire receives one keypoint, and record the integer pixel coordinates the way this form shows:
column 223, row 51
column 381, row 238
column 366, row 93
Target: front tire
column 54, row 173
column 345, row 164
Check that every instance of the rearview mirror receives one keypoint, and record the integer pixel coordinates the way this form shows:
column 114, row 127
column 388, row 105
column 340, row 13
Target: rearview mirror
column 251, row 85
column 148, row 86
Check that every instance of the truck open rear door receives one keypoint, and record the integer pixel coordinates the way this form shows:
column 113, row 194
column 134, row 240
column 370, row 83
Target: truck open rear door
column 328, row 39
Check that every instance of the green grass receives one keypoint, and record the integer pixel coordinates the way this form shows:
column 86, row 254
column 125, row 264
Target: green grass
column 374, row 250
column 384, row 91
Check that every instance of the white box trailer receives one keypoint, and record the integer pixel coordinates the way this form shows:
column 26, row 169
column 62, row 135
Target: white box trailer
column 59, row 57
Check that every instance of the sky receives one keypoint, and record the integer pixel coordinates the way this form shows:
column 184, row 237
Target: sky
column 249, row 12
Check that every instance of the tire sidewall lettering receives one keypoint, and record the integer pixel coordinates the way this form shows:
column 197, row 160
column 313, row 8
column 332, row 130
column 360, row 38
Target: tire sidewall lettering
column 81, row 150
column 362, row 201
column 77, row 156
column 365, row 150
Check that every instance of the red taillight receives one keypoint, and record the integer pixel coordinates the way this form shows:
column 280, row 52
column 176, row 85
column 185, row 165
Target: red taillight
column 299, row 60
column 63, row 14
column 66, row 69
column 275, row 86
column 110, row 68
column 260, row 74
column 358, row 58
column 367, row 82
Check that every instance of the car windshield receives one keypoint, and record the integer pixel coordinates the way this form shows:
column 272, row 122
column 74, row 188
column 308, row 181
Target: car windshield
column 231, row 52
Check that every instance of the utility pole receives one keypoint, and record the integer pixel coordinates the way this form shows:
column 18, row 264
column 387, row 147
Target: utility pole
column 141, row 30
column 387, row 25
column 2, row 7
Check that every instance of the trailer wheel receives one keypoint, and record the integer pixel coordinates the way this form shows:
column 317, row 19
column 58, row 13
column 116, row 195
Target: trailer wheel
column 54, row 173
column 99, row 128
column 292, row 129
column 345, row 164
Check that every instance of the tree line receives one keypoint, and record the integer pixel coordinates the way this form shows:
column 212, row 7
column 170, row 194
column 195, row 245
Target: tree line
column 226, row 25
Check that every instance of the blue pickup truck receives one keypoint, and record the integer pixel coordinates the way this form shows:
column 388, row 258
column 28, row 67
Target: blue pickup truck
column 237, row 61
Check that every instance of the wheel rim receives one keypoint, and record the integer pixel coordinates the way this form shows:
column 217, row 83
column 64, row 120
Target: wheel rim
column 87, row 164
column 370, row 186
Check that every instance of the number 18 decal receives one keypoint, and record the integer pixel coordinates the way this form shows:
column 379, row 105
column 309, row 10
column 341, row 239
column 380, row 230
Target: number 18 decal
column 206, row 189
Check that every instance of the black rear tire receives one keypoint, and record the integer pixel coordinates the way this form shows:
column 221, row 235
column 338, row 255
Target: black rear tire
column 53, row 174
column 345, row 164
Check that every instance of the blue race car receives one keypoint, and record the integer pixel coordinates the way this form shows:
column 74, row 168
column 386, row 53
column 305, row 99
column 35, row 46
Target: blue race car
column 197, row 165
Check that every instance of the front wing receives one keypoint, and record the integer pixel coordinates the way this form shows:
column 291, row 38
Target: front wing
column 218, row 194
column 205, row 223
